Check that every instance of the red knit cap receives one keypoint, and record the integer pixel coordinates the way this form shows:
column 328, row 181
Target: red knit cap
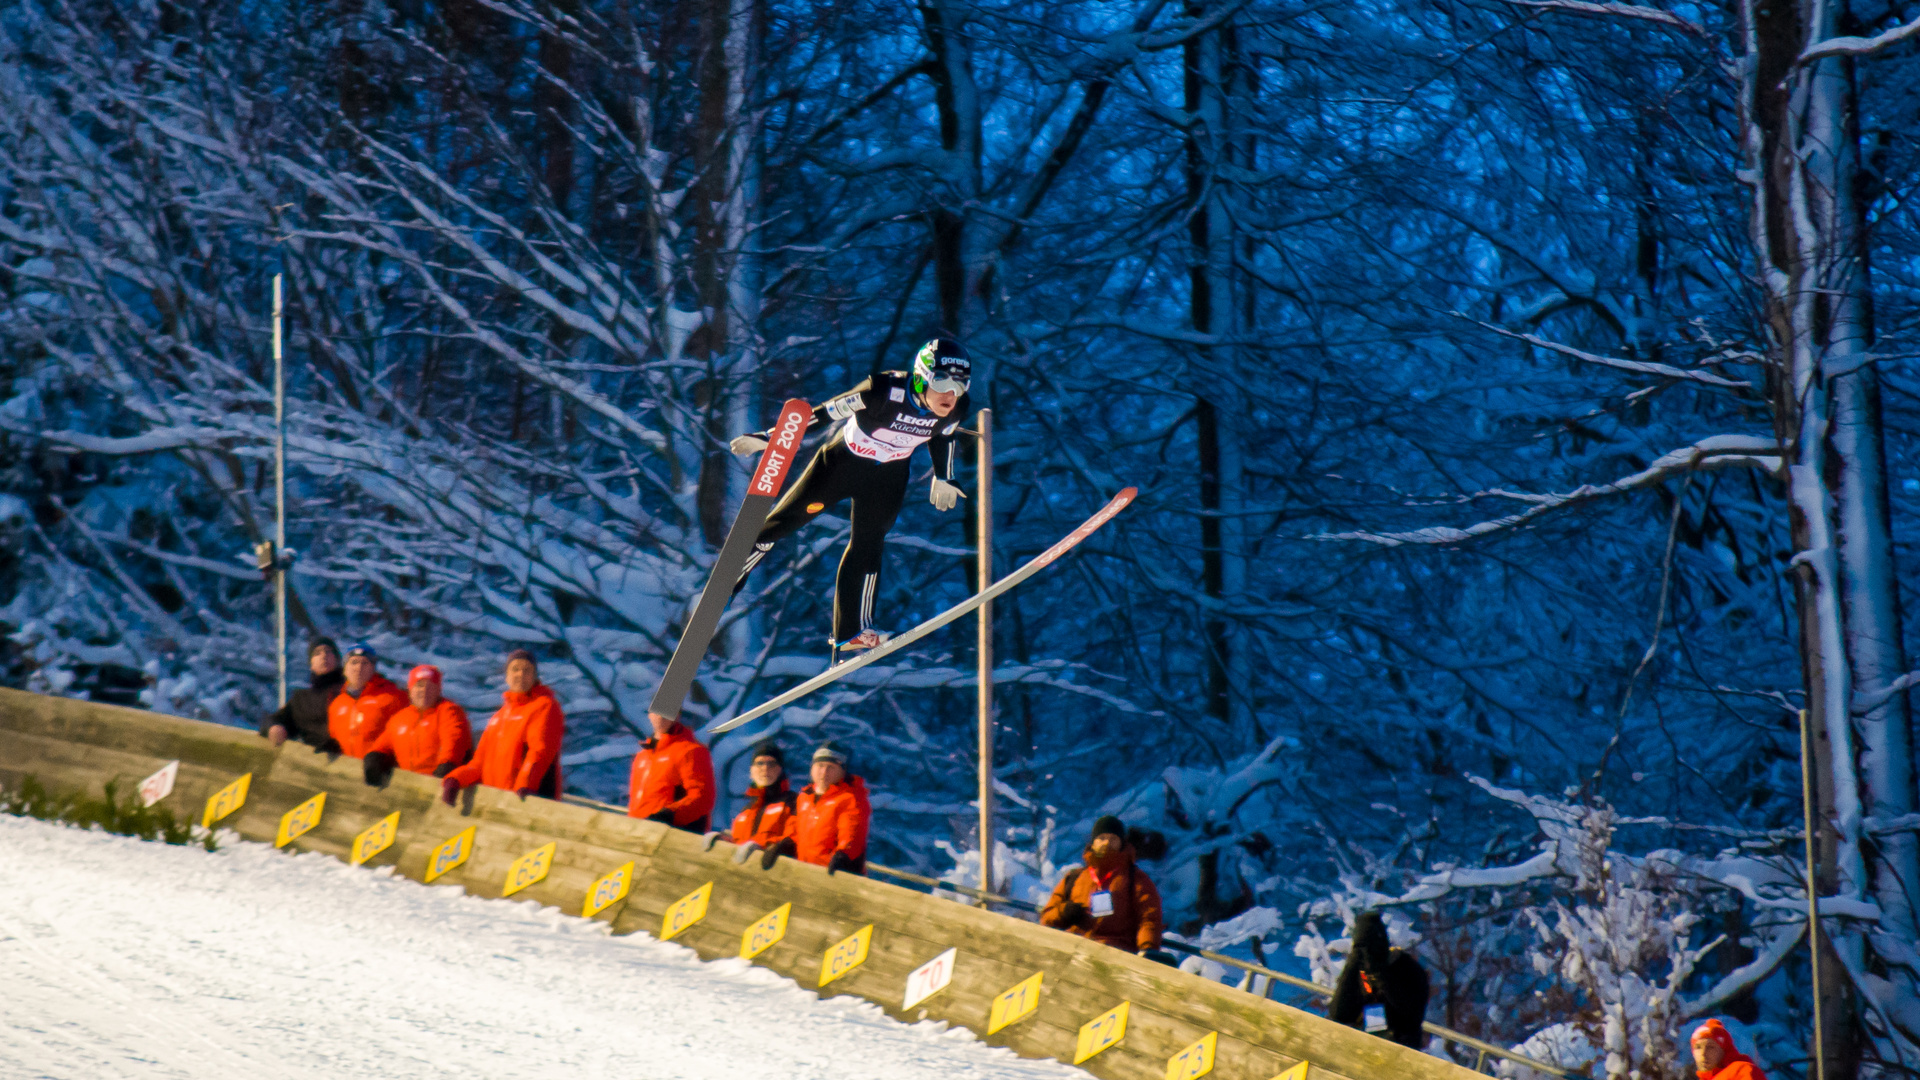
column 424, row 671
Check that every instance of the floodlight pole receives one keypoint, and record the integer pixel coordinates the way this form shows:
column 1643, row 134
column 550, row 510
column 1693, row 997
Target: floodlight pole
column 1819, row 1070
column 279, row 494
column 983, row 533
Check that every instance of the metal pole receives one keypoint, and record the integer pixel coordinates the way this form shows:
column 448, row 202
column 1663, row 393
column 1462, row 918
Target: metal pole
column 983, row 533
column 279, row 495
column 1813, row 896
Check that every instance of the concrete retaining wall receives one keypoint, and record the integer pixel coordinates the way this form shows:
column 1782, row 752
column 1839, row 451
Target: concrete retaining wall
column 77, row 745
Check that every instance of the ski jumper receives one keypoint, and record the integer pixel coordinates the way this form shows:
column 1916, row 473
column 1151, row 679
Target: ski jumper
column 866, row 459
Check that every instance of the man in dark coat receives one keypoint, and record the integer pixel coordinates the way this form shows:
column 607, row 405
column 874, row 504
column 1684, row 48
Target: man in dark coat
column 1378, row 974
column 304, row 716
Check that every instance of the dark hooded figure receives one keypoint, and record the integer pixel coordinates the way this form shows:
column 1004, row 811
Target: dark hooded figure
column 1376, row 973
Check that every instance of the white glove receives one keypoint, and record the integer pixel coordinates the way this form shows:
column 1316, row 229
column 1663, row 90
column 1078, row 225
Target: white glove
column 741, row 853
column 747, row 445
column 945, row 496
column 711, row 839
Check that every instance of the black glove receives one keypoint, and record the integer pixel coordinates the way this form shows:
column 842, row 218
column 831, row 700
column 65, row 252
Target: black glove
column 442, row 769
column 1161, row 956
column 664, row 817
column 772, row 854
column 331, row 746
column 841, row 861
column 377, row 767
column 1073, row 915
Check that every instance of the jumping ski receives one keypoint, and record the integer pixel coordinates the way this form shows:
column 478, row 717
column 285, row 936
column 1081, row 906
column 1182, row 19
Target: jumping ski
column 783, row 445
column 1004, row 585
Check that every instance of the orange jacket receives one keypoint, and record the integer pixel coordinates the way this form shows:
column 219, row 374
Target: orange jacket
column 1734, row 1065
column 1136, row 921
column 673, row 772
column 520, row 747
column 355, row 722
column 768, row 818
column 832, row 820
column 422, row 742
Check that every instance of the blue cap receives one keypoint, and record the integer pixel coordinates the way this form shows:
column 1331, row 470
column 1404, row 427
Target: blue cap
column 361, row 648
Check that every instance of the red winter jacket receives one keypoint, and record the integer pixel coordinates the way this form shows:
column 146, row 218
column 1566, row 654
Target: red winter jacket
column 520, row 748
column 673, row 772
column 355, row 721
column 833, row 820
column 1135, row 924
column 768, row 818
column 422, row 742
column 1734, row 1065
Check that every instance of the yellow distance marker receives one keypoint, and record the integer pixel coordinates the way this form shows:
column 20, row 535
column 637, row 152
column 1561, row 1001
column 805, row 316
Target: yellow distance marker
column 1101, row 1032
column 849, row 953
column 765, row 932
column 376, row 838
column 225, row 801
column 450, row 854
column 685, row 911
column 608, row 891
column 300, row 820
column 1015, row 1004
column 529, row 869
column 1298, row 1072
column 1195, row 1061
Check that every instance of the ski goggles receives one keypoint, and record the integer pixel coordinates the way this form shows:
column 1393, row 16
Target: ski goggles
column 941, row 383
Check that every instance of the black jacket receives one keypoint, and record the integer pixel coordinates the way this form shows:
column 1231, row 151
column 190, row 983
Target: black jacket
column 1378, row 975
column 885, row 423
column 305, row 713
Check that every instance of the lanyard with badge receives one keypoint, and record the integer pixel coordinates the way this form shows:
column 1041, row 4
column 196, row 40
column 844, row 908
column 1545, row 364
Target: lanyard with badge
column 1375, row 1016
column 1100, row 904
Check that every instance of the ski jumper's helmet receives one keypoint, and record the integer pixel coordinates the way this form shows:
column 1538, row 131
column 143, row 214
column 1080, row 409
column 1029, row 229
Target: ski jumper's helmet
column 942, row 365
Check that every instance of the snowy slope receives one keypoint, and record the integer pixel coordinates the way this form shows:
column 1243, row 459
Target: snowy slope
column 123, row 958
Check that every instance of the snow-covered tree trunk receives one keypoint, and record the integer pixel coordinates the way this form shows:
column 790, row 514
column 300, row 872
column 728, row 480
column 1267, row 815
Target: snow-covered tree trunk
column 1215, row 306
column 721, row 153
column 747, row 279
column 1800, row 129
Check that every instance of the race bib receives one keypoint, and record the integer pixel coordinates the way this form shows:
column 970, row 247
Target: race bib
column 1100, row 904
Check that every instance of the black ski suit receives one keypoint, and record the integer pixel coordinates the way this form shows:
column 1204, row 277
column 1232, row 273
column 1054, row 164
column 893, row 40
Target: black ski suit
column 866, row 459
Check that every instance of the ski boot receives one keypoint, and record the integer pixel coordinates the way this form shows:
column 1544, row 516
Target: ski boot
column 865, row 639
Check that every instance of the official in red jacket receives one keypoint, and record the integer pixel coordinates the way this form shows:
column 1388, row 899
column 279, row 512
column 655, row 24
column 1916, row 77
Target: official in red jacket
column 768, row 817
column 1109, row 899
column 367, row 700
column 430, row 736
column 1714, row 1057
column 830, row 818
column 520, row 749
column 672, row 778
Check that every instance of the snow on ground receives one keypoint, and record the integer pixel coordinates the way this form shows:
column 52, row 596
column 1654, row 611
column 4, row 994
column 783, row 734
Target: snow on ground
column 121, row 958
